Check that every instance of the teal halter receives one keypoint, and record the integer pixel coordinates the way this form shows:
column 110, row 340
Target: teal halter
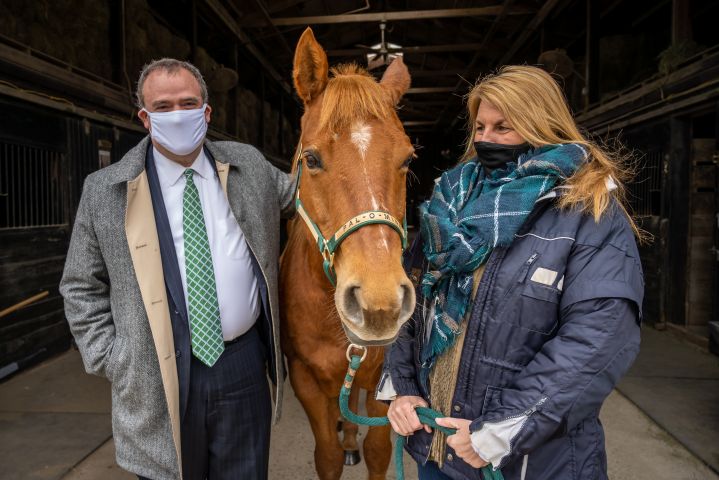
column 328, row 247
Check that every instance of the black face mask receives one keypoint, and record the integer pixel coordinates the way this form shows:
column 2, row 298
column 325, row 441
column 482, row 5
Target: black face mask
column 496, row 155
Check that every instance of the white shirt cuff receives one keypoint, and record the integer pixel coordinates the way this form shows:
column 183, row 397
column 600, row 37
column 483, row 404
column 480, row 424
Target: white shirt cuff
column 492, row 441
column 386, row 390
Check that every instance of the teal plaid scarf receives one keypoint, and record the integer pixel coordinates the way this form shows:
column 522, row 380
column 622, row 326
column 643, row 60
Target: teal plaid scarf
column 468, row 215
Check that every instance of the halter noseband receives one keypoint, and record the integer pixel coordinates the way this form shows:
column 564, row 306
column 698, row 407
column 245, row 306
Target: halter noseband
column 328, row 247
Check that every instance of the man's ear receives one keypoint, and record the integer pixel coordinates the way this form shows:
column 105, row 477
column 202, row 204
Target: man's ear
column 144, row 118
column 396, row 79
column 311, row 69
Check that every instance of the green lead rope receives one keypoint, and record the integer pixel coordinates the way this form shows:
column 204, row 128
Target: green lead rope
column 427, row 416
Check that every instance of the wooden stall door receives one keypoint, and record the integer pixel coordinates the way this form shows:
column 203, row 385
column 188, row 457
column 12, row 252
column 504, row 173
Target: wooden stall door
column 702, row 261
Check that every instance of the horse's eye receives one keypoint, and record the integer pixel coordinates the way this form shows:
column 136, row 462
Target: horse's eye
column 408, row 161
column 312, row 161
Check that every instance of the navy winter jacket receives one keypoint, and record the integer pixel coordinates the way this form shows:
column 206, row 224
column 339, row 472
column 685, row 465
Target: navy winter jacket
column 554, row 325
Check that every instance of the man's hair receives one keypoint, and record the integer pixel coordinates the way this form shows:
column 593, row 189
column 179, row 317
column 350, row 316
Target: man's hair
column 171, row 66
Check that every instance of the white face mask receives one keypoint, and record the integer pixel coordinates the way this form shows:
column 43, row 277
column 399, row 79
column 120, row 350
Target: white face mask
column 179, row 131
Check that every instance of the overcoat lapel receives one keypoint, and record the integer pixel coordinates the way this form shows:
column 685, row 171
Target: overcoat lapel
column 144, row 245
column 173, row 281
column 171, row 269
column 223, row 169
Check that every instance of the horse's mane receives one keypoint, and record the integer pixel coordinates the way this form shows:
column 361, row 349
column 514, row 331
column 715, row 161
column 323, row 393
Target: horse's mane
column 352, row 95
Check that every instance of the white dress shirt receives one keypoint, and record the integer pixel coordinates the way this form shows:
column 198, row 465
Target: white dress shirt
column 237, row 291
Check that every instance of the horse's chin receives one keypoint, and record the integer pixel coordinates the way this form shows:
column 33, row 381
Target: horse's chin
column 367, row 342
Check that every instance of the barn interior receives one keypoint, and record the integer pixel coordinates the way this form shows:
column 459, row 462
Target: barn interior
column 645, row 74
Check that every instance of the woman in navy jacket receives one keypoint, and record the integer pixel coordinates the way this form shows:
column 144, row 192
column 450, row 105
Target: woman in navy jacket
column 530, row 291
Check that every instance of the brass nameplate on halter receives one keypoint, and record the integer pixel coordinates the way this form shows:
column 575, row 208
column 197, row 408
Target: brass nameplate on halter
column 369, row 217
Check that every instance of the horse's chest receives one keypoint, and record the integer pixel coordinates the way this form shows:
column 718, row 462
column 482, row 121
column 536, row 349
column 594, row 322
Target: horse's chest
column 325, row 363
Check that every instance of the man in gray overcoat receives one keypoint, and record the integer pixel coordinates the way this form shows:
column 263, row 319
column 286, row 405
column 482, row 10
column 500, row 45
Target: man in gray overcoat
column 170, row 289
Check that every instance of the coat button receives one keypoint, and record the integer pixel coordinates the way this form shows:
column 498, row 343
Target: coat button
column 178, row 353
column 449, row 457
column 457, row 408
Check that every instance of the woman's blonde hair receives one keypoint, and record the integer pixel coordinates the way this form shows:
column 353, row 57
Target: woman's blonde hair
column 532, row 101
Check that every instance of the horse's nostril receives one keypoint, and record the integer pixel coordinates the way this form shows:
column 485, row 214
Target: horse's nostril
column 380, row 311
column 408, row 301
column 352, row 307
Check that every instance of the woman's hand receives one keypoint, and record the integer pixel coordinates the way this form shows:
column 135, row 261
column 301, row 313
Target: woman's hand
column 403, row 417
column 461, row 441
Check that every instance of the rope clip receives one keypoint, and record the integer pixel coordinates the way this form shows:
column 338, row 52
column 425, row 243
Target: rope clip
column 358, row 347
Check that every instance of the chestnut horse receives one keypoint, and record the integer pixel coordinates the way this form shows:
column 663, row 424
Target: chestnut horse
column 352, row 163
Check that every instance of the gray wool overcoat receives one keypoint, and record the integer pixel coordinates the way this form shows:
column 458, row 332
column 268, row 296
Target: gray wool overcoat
column 116, row 301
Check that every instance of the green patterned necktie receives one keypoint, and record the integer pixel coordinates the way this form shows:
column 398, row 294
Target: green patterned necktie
column 205, row 326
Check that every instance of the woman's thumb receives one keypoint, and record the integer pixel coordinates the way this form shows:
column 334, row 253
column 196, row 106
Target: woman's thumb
column 446, row 422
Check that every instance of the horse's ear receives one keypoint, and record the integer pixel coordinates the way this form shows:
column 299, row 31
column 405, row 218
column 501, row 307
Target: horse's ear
column 396, row 79
column 310, row 68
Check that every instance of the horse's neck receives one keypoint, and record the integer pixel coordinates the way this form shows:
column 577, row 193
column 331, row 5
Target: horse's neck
column 302, row 249
column 310, row 293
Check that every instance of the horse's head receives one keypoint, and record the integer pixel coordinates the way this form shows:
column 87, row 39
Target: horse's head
column 354, row 158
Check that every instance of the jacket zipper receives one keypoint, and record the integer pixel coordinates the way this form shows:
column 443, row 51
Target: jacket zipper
column 493, row 264
column 518, row 279
column 420, row 322
column 495, row 260
column 528, row 266
column 528, row 413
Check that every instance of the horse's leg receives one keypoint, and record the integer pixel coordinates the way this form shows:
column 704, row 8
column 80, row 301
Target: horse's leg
column 328, row 451
column 349, row 432
column 377, row 445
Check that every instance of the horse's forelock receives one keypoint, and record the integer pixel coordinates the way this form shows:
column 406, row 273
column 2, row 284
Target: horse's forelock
column 352, row 95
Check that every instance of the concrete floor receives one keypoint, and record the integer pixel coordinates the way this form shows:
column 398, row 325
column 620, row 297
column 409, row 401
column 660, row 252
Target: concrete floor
column 677, row 385
column 55, row 424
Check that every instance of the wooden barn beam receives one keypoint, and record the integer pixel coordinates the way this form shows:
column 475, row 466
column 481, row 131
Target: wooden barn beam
column 418, row 123
column 591, row 56
column 55, row 74
column 391, row 16
column 456, row 47
column 424, row 102
column 450, row 72
column 506, row 8
column 536, row 21
column 263, row 8
column 425, row 90
column 64, row 106
column 415, row 114
column 681, row 21
column 272, row 7
column 230, row 23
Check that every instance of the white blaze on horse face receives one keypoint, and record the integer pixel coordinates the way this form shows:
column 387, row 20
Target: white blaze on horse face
column 361, row 136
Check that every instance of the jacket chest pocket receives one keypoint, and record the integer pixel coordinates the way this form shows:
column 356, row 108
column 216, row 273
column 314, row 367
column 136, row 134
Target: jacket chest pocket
column 531, row 301
column 539, row 308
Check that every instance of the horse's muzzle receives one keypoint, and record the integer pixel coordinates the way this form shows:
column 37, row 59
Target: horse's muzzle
column 374, row 316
